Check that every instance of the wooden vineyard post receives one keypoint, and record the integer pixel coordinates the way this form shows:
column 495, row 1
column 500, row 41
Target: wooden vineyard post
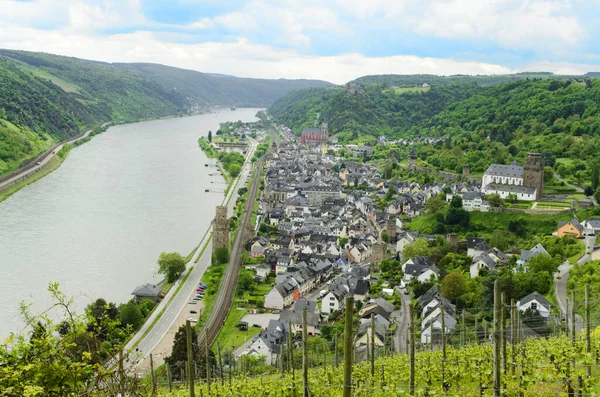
column 190, row 368
column 512, row 336
column 291, row 350
column 573, row 329
column 335, row 349
column 411, row 348
column 464, row 333
column 169, row 377
column 497, row 339
column 443, row 348
column 207, row 362
column 588, row 342
column 503, row 322
column 153, row 376
column 220, row 363
column 305, row 353
column 567, row 319
column 348, row 347
column 372, row 346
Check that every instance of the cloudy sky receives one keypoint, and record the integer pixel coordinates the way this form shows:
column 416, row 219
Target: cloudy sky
column 334, row 40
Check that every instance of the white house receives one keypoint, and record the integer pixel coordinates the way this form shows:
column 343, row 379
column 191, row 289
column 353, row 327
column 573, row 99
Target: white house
column 535, row 301
column 282, row 295
column 334, row 300
column 420, row 267
column 435, row 324
column 474, row 201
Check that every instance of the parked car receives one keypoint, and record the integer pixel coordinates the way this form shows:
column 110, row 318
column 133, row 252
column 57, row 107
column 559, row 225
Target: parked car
column 193, row 312
column 199, row 289
column 202, row 285
column 256, row 326
column 192, row 302
column 276, row 311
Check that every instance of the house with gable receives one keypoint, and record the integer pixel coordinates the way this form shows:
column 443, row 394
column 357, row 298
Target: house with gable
column 527, row 255
column 488, row 260
column 419, row 267
column 534, row 301
column 571, row 228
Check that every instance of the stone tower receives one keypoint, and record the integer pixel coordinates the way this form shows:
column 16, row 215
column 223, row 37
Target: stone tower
column 412, row 160
column 324, row 131
column 391, row 229
column 379, row 251
column 220, row 229
column 466, row 171
column 533, row 173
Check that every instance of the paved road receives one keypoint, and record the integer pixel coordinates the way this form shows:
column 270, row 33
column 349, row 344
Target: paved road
column 560, row 289
column 174, row 307
column 42, row 162
column 577, row 188
column 401, row 331
column 589, row 248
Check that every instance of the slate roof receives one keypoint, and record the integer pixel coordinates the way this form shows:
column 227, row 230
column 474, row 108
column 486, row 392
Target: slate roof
column 468, row 196
column 511, row 188
column 147, row 290
column 573, row 222
column 535, row 251
column 512, row 170
column 472, row 242
column 312, row 131
column 537, row 297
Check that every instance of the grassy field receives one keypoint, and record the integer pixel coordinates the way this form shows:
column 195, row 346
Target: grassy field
column 485, row 223
column 553, row 205
column 230, row 336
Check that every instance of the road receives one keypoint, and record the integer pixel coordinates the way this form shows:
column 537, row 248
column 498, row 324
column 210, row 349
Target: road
column 27, row 172
column 590, row 241
column 560, row 288
column 173, row 306
column 577, row 188
column 402, row 330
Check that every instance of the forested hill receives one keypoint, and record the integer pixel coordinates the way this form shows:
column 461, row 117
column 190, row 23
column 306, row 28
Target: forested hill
column 501, row 123
column 214, row 89
column 362, row 113
column 47, row 98
column 414, row 80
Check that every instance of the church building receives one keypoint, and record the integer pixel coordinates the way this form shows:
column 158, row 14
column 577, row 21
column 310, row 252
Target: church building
column 527, row 182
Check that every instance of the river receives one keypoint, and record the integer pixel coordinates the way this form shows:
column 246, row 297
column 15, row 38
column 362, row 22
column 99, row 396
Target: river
column 98, row 223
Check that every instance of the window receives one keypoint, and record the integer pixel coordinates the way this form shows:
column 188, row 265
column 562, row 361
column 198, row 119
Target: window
column 534, row 306
column 331, row 304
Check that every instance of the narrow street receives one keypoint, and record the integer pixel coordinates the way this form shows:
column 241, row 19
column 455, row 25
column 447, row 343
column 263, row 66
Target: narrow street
column 401, row 331
column 560, row 289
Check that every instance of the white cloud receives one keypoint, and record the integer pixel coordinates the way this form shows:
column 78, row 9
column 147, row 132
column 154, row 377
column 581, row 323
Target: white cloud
column 240, row 58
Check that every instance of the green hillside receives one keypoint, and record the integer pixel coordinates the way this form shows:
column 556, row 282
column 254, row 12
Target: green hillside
column 481, row 125
column 45, row 98
column 411, row 80
column 211, row 89
column 362, row 114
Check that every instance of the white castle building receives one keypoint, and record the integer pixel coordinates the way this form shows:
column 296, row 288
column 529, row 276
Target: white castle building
column 526, row 182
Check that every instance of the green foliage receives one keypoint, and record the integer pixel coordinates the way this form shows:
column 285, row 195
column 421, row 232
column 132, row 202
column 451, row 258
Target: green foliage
column 130, row 315
column 209, row 137
column 232, row 162
column 579, row 277
column 454, row 285
column 221, row 256
column 171, row 264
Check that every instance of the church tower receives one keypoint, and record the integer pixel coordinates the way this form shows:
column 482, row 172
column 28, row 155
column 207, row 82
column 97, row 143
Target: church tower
column 220, row 229
column 412, row 160
column 533, row 173
column 324, row 132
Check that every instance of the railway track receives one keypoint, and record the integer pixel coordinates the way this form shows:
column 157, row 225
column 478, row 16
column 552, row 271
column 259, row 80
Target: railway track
column 224, row 299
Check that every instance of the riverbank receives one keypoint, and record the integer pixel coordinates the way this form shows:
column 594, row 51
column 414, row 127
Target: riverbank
column 44, row 169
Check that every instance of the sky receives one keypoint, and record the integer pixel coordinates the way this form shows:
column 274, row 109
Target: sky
column 333, row 40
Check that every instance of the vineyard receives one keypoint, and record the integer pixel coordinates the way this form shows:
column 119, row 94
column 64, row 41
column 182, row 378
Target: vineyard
column 537, row 367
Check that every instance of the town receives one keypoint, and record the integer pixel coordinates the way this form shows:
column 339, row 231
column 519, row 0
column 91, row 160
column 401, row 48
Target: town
column 329, row 227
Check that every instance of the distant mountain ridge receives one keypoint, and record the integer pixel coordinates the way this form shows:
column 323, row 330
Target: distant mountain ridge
column 46, row 98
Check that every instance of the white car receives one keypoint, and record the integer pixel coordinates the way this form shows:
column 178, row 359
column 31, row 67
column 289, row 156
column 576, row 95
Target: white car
column 192, row 302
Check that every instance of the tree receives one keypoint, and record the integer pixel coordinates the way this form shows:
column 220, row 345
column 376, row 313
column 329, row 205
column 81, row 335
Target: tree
column 241, row 191
column 245, row 281
column 518, row 227
column 343, row 241
column 435, row 204
column 456, row 202
column 2, row 113
column 209, row 136
column 595, row 175
column 130, row 315
column 419, row 248
column 597, row 195
column 495, row 200
column 178, row 358
column 453, row 286
column 453, row 261
column 221, row 255
column 234, row 170
column 171, row 264
column 589, row 191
